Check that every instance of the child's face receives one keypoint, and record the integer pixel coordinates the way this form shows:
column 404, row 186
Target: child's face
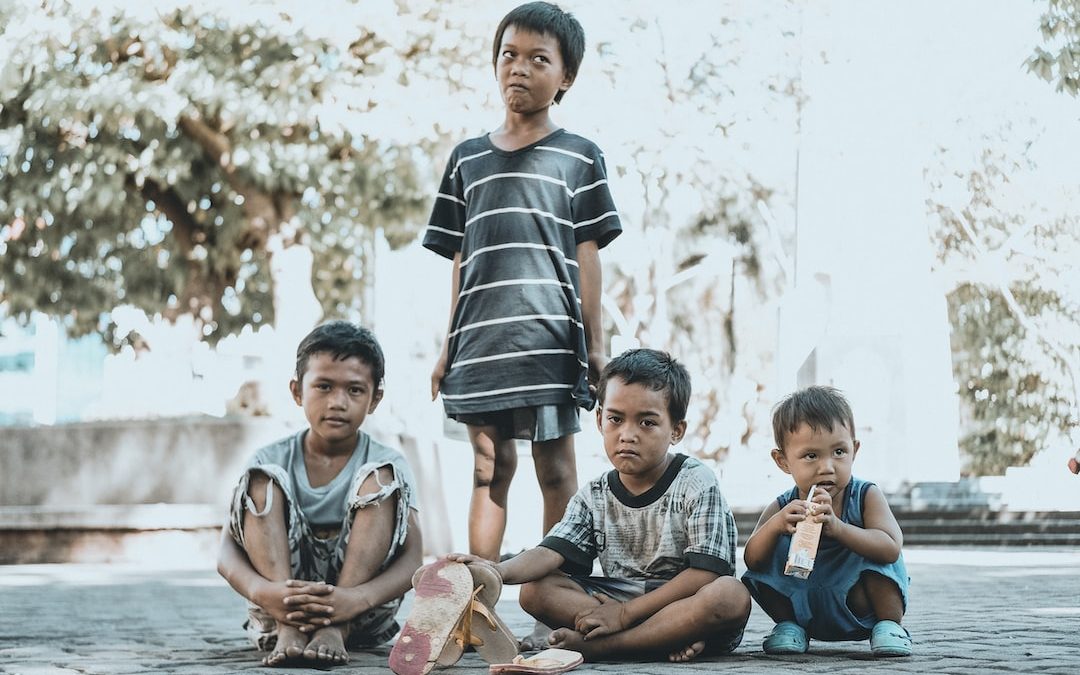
column 637, row 430
column 336, row 395
column 529, row 70
column 821, row 458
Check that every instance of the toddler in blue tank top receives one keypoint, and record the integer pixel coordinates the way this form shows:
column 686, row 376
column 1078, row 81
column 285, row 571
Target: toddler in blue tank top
column 859, row 586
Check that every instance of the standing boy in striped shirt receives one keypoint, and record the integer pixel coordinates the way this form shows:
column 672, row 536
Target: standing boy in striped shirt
column 522, row 212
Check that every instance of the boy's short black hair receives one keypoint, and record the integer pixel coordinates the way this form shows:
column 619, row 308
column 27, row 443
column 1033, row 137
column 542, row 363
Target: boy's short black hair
column 819, row 407
column 342, row 340
column 656, row 370
column 549, row 19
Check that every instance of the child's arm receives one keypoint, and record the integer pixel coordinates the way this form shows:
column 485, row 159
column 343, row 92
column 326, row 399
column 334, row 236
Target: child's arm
column 536, row 563
column 612, row 616
column 879, row 540
column 588, row 257
column 773, row 522
column 439, row 371
column 392, row 583
column 271, row 596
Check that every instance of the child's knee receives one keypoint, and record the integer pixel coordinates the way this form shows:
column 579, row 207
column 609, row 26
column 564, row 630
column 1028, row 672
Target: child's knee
column 727, row 600
column 530, row 596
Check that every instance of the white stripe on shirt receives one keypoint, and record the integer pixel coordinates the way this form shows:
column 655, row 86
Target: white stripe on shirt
column 565, row 152
column 515, row 282
column 510, row 355
column 465, row 159
column 446, row 231
column 508, row 390
column 498, row 247
column 452, row 198
column 518, row 174
column 519, row 209
column 595, row 220
column 512, row 319
column 586, row 188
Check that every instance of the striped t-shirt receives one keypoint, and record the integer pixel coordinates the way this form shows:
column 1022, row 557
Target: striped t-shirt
column 517, row 338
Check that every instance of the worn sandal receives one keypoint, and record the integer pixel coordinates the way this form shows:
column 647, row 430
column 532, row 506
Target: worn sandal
column 444, row 593
column 493, row 640
column 787, row 637
column 890, row 639
column 547, row 661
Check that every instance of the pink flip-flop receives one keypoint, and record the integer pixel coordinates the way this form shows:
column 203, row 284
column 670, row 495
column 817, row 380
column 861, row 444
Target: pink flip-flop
column 444, row 593
column 547, row 661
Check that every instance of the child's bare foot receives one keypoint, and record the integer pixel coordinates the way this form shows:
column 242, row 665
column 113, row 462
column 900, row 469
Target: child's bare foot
column 290, row 645
column 687, row 653
column 537, row 639
column 566, row 638
column 327, row 646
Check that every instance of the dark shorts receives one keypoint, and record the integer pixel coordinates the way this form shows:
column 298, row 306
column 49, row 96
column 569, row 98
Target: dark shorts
column 624, row 590
column 534, row 423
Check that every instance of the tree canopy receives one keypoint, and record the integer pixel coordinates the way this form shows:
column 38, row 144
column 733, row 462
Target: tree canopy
column 149, row 155
column 1058, row 60
column 1014, row 304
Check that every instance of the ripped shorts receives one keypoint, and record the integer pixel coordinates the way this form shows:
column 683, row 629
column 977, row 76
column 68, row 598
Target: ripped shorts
column 319, row 559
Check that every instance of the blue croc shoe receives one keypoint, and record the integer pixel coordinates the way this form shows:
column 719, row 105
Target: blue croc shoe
column 890, row 639
column 787, row 637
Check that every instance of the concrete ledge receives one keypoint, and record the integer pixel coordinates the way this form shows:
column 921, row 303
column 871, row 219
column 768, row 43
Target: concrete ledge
column 137, row 517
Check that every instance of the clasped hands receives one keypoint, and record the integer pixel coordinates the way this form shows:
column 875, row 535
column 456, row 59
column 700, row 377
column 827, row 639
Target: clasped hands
column 311, row 605
column 604, row 619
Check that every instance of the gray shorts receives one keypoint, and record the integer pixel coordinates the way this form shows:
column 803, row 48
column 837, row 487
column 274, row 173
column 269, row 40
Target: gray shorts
column 320, row 559
column 533, row 423
column 624, row 590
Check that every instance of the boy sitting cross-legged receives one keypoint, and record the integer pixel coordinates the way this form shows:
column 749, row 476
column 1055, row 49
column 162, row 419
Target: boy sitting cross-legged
column 659, row 525
column 323, row 536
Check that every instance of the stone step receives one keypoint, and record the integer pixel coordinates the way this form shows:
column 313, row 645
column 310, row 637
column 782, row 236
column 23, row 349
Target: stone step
column 973, row 527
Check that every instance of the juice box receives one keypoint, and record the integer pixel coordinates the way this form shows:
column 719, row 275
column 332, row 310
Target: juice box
column 804, row 545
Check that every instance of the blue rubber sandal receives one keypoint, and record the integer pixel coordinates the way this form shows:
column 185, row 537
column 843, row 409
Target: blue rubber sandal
column 787, row 637
column 890, row 639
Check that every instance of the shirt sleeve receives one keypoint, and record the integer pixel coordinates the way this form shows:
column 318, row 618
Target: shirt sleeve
column 712, row 533
column 572, row 537
column 594, row 213
column 446, row 227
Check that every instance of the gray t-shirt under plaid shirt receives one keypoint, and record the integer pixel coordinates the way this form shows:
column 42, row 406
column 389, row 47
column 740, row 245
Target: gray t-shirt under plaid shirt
column 517, row 337
column 683, row 521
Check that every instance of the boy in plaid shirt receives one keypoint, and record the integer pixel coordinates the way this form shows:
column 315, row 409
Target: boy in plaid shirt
column 658, row 524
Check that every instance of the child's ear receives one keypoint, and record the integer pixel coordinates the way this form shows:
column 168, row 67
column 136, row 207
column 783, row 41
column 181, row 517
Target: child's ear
column 678, row 431
column 567, row 82
column 375, row 400
column 781, row 460
column 854, row 447
column 600, row 418
column 294, row 389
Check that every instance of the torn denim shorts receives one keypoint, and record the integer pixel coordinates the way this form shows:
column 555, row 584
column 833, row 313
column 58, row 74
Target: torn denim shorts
column 320, row 559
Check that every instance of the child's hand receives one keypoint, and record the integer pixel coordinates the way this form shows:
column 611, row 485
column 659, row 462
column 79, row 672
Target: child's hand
column 309, row 604
column 791, row 515
column 1074, row 462
column 314, row 605
column 281, row 600
column 820, row 505
column 438, row 373
column 606, row 618
column 597, row 361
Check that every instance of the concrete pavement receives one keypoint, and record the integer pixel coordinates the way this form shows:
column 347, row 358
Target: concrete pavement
column 972, row 611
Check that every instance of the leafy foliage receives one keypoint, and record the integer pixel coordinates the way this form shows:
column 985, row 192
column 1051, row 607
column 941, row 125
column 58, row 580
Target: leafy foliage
column 150, row 156
column 1060, row 62
column 1014, row 308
